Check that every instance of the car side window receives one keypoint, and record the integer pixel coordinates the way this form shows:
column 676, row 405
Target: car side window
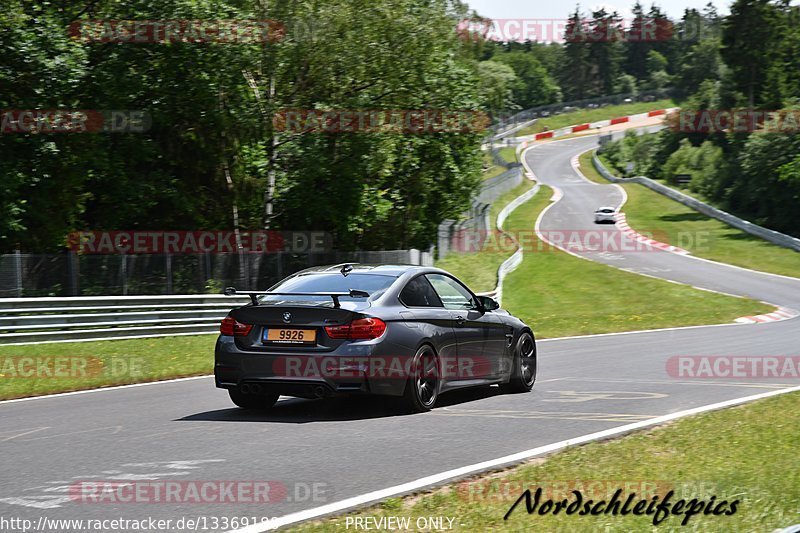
column 452, row 293
column 419, row 293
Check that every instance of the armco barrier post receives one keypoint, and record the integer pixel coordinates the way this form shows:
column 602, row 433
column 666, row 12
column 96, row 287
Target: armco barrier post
column 18, row 271
column 124, row 273
column 72, row 272
column 168, row 260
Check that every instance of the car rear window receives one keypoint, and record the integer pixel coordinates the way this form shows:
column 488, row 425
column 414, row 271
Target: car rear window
column 373, row 284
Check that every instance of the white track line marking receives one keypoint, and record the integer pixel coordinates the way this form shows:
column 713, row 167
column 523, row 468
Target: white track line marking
column 450, row 475
column 104, row 389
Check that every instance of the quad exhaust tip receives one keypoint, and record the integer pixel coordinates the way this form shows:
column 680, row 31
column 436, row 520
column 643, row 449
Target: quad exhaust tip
column 318, row 391
column 251, row 388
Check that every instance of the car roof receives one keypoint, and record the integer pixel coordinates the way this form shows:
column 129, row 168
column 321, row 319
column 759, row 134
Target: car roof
column 359, row 268
column 604, row 208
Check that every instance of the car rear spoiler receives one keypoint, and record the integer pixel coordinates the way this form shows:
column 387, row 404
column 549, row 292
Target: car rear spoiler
column 353, row 293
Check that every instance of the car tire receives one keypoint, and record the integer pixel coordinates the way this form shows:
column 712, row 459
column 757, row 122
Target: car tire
column 523, row 374
column 422, row 386
column 252, row 401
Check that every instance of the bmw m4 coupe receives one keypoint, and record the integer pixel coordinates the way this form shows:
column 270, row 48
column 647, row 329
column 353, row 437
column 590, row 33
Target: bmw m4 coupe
column 407, row 331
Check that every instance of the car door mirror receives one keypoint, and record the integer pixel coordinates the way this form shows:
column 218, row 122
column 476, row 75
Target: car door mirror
column 487, row 303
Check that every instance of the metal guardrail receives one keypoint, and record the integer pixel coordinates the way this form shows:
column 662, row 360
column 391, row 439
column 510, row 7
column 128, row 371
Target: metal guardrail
column 510, row 264
column 32, row 320
column 775, row 237
column 68, row 274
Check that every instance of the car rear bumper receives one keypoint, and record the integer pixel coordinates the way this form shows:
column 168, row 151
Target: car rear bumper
column 345, row 370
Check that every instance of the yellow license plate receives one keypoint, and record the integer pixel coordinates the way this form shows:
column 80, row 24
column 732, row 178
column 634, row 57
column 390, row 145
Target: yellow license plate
column 291, row 336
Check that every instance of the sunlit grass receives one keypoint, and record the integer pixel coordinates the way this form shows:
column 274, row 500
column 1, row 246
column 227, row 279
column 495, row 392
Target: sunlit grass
column 746, row 453
column 560, row 295
column 88, row 365
column 670, row 221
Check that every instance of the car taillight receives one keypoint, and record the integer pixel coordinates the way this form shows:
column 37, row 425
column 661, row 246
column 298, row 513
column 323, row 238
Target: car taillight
column 231, row 327
column 359, row 329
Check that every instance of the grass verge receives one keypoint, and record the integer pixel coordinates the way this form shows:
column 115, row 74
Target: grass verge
column 509, row 154
column 490, row 169
column 593, row 115
column 70, row 366
column 757, row 466
column 561, row 295
column 491, row 172
column 672, row 222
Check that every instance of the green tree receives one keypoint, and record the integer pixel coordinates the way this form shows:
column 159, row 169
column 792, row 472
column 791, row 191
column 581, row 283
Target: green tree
column 575, row 71
column 750, row 35
column 701, row 63
column 605, row 51
column 534, row 87
column 637, row 44
column 497, row 81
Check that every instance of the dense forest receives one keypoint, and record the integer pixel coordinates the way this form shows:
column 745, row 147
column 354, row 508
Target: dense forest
column 213, row 157
column 212, row 144
column 748, row 62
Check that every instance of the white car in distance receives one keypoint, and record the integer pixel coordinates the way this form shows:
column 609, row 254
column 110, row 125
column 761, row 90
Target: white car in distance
column 605, row 215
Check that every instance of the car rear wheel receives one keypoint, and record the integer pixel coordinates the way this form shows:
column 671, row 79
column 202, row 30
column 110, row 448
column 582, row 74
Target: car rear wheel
column 252, row 401
column 523, row 375
column 422, row 387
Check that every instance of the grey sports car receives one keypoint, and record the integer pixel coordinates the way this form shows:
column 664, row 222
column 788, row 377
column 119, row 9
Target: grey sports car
column 408, row 331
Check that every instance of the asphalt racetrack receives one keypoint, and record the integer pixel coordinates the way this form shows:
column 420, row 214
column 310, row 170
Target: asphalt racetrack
column 321, row 452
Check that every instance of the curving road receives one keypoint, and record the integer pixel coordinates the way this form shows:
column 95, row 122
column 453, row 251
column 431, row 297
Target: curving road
column 551, row 163
column 326, row 452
